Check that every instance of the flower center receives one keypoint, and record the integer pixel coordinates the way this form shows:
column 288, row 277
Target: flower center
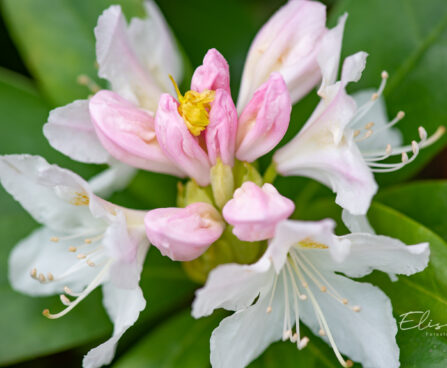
column 301, row 280
column 194, row 108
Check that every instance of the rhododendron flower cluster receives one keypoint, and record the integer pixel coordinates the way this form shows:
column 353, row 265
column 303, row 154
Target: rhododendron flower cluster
column 295, row 272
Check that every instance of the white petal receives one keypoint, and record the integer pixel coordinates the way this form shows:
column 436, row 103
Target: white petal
column 289, row 233
column 39, row 252
column 341, row 168
column 156, row 47
column 378, row 115
column 113, row 179
column 70, row 131
column 353, row 67
column 367, row 336
column 329, row 54
column 119, row 64
column 378, row 252
column 232, row 287
column 124, row 307
column 127, row 246
column 242, row 337
column 356, row 223
column 50, row 194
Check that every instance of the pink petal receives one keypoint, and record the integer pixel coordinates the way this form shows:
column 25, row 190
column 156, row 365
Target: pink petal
column 213, row 74
column 265, row 120
column 183, row 234
column 254, row 212
column 220, row 134
column 178, row 143
column 128, row 134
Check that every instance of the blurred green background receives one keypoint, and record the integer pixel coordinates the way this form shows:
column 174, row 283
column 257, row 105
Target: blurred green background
column 46, row 44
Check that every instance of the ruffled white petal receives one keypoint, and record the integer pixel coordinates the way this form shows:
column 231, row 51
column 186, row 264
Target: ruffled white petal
column 242, row 337
column 113, row 179
column 353, row 67
column 232, row 287
column 119, row 64
column 156, row 47
column 124, row 307
column 367, row 336
column 38, row 252
column 70, row 131
column 378, row 252
column 54, row 196
column 329, row 55
column 356, row 223
column 378, row 115
column 289, row 233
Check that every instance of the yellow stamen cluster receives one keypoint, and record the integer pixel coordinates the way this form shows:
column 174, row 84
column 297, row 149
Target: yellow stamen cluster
column 194, row 108
column 309, row 243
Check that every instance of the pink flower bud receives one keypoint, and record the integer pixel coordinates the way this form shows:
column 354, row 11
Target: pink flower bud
column 264, row 120
column 183, row 234
column 178, row 143
column 212, row 74
column 128, row 134
column 220, row 134
column 254, row 212
column 288, row 43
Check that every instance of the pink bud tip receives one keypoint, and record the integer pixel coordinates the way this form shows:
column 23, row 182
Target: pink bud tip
column 183, row 234
column 254, row 212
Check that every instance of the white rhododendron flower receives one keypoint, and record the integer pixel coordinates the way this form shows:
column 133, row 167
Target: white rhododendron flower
column 85, row 242
column 298, row 280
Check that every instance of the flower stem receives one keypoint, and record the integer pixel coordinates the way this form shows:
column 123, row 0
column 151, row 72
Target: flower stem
column 271, row 173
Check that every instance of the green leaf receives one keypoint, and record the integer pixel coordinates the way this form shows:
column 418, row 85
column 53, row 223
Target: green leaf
column 408, row 38
column 425, row 202
column 56, row 40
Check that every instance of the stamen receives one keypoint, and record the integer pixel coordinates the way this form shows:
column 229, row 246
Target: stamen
column 42, row 278
column 65, row 300
column 90, row 263
column 50, row 276
column 356, row 308
column 72, row 249
column 269, row 308
column 81, row 256
column 85, row 80
column 70, row 292
column 321, row 332
column 96, row 282
column 422, row 133
column 369, row 125
column 303, row 343
column 54, row 239
column 33, row 273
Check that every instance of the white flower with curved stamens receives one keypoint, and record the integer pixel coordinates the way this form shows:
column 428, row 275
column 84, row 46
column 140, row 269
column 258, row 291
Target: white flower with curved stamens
column 136, row 60
column 297, row 280
column 341, row 144
column 85, row 242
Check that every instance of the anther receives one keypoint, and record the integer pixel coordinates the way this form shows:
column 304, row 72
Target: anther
column 404, row 157
column 414, row 147
column 286, row 334
column 303, row 296
column 344, row 301
column 65, row 300
column 400, row 115
column 349, row 363
column 369, row 125
column 374, row 96
column 269, row 309
column 356, row 133
column 321, row 332
column 72, row 249
column 90, row 263
column 323, row 289
column 50, row 276
column 384, row 75
column 356, row 308
column 294, row 338
column 88, row 241
column 54, row 239
column 303, row 343
column 46, row 313
column 388, row 149
column 42, row 277
column 33, row 273
column 81, row 256
column 422, row 133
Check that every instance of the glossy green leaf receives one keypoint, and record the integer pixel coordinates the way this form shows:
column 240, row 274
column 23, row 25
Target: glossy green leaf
column 56, row 41
column 425, row 202
column 408, row 38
